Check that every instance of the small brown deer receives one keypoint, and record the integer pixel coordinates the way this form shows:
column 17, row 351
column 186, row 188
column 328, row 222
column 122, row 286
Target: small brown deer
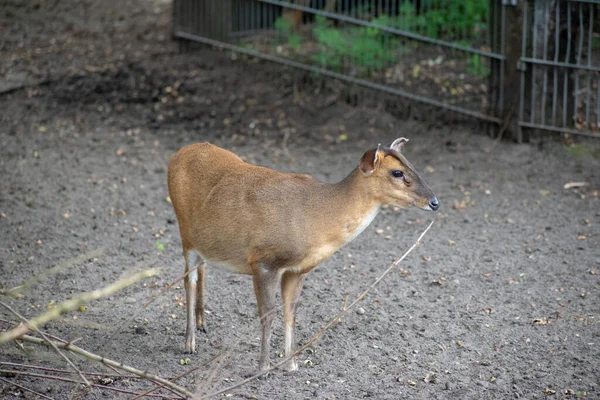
column 271, row 225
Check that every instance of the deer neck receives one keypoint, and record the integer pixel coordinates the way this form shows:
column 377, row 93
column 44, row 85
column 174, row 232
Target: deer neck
column 355, row 206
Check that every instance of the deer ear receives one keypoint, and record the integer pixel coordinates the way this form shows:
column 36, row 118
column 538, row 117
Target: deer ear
column 369, row 161
column 398, row 144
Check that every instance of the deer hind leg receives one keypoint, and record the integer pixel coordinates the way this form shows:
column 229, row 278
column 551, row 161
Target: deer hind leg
column 291, row 286
column 265, row 285
column 191, row 281
column 200, row 318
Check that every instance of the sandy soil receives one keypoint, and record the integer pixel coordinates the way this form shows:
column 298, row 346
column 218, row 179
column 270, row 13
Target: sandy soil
column 501, row 300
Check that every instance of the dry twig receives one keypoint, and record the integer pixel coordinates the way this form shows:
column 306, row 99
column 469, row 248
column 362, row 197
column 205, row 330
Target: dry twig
column 62, row 379
column 26, row 389
column 74, row 303
column 106, row 361
column 60, row 353
column 64, row 371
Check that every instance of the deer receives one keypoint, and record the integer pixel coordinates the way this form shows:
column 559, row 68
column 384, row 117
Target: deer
column 275, row 226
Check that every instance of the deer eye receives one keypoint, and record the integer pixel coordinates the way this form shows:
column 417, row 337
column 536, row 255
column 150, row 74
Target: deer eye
column 397, row 173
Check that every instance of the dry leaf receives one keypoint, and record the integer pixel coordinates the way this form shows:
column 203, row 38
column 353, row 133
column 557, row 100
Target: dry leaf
column 573, row 185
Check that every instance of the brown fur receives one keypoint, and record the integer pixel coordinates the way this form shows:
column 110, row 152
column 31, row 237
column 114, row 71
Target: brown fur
column 257, row 221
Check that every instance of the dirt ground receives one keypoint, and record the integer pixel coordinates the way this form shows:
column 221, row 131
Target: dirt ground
column 500, row 301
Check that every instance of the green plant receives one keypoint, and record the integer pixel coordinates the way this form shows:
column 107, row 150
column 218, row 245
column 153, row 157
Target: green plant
column 476, row 67
column 365, row 46
column 442, row 19
column 284, row 29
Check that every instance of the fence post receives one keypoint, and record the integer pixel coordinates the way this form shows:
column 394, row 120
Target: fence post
column 511, row 39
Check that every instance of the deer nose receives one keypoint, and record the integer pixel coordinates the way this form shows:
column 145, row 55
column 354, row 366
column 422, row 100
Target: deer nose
column 434, row 203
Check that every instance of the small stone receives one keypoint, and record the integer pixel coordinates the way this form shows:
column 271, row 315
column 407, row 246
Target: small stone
column 360, row 311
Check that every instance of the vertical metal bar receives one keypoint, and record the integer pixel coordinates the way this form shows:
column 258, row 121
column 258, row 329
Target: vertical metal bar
column 201, row 26
column 598, row 105
column 386, row 45
column 464, row 32
column 589, row 73
column 566, row 71
column 193, row 28
column 204, row 24
column 545, row 83
column 346, row 57
column 489, row 22
column 555, row 69
column 263, row 22
column 194, row 17
column 523, row 54
column 502, row 62
column 253, row 6
column 426, row 9
column 579, row 51
column 533, row 69
column 186, row 16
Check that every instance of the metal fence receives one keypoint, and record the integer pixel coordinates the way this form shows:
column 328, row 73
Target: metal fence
column 560, row 67
column 444, row 53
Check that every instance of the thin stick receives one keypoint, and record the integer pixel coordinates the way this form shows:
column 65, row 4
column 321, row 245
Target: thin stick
column 326, row 327
column 60, row 353
column 47, row 334
column 26, row 389
column 170, row 285
column 106, row 361
column 180, row 376
column 54, row 270
column 64, row 371
column 73, row 303
column 60, row 378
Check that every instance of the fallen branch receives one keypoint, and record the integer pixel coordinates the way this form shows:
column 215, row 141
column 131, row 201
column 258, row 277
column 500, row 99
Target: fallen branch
column 54, row 270
column 60, row 378
column 69, row 305
column 26, row 389
column 47, row 334
column 60, row 353
column 331, row 322
column 106, row 361
column 64, row 371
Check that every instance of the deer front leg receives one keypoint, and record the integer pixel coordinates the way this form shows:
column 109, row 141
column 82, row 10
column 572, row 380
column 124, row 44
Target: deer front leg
column 191, row 280
column 291, row 286
column 200, row 318
column 265, row 284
